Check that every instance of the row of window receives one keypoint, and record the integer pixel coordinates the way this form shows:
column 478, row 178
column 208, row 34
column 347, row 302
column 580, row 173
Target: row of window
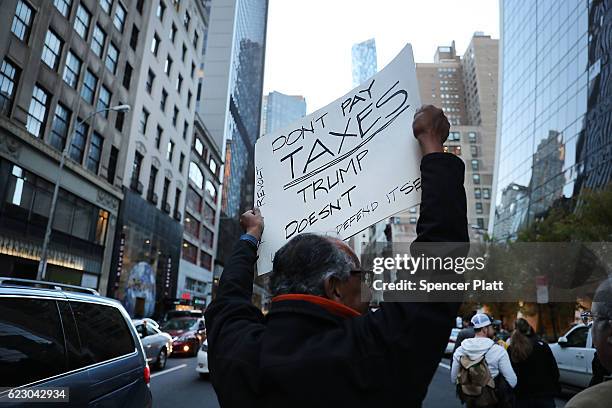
column 457, row 151
column 197, row 177
column 202, row 151
column 136, row 185
column 161, row 12
column 199, row 231
column 190, row 253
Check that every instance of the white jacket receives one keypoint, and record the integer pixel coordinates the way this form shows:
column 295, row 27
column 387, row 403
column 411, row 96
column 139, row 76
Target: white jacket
column 497, row 358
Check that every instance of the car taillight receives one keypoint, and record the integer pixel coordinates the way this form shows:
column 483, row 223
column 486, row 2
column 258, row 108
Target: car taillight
column 147, row 374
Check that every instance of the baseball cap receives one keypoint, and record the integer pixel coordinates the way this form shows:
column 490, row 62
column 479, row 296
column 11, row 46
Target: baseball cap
column 480, row 320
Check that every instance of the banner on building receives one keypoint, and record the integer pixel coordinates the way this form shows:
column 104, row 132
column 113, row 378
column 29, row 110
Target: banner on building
column 344, row 167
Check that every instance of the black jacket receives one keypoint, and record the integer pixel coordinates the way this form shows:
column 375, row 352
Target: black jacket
column 300, row 355
column 538, row 375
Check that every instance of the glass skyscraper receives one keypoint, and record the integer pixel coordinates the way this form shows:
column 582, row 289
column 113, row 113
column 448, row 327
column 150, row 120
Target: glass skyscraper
column 555, row 127
column 281, row 110
column 364, row 61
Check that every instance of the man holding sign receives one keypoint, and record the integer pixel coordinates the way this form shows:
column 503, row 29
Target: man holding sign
column 318, row 346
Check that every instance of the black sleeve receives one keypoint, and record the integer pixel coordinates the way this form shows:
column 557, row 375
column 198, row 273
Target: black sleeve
column 414, row 335
column 232, row 315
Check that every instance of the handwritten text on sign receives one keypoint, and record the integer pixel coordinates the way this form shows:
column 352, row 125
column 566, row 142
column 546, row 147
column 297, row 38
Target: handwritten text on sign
column 344, row 167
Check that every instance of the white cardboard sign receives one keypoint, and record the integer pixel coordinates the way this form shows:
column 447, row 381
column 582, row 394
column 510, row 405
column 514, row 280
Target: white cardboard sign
column 344, row 167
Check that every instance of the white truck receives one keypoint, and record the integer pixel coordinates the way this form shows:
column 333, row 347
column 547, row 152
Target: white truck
column 574, row 353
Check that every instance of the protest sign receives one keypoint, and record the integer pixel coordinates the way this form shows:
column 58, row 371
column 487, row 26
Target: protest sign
column 344, row 167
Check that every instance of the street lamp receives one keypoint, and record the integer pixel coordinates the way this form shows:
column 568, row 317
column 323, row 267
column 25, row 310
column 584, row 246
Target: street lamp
column 42, row 263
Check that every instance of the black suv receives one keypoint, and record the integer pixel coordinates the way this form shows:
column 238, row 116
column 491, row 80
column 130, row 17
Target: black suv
column 54, row 335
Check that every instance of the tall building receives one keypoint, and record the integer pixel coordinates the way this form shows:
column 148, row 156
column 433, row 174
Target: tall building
column 364, row 61
column 555, row 127
column 466, row 89
column 166, row 43
column 279, row 110
column 61, row 62
column 232, row 94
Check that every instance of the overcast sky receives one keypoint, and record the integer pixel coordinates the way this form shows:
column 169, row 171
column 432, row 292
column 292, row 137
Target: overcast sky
column 309, row 42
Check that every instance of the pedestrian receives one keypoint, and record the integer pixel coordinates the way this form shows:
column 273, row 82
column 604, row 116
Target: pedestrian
column 535, row 367
column 599, row 396
column 319, row 346
column 481, row 368
column 467, row 332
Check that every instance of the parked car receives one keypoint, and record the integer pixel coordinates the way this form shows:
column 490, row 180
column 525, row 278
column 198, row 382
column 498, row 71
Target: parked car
column 188, row 333
column 574, row 354
column 202, row 366
column 173, row 314
column 157, row 344
column 451, row 341
column 56, row 335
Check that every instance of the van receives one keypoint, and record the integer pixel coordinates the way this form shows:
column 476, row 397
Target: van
column 68, row 337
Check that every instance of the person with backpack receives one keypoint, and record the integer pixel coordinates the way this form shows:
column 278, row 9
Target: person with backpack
column 535, row 366
column 481, row 368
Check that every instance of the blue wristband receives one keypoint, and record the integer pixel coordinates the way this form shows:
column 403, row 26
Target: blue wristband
column 250, row 239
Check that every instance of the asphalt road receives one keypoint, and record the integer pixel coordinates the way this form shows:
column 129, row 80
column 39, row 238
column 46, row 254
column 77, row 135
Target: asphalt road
column 180, row 385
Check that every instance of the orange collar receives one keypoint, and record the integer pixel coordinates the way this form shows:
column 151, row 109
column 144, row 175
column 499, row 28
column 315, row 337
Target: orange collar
column 331, row 306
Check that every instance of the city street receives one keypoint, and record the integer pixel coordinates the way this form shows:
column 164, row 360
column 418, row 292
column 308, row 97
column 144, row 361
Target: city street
column 180, row 384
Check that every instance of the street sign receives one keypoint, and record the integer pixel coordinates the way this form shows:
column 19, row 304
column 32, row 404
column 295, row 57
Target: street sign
column 345, row 166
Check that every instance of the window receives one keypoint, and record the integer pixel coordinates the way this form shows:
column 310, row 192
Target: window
column 170, row 151
column 476, row 178
column 33, row 348
column 97, row 41
column 195, row 175
column 474, row 151
column 211, row 190
column 155, row 44
column 457, row 150
column 192, row 226
column 149, row 83
column 199, row 147
column 192, row 70
column 412, row 220
column 196, row 38
column 205, row 260
column 120, row 120
column 37, row 114
column 119, row 20
column 179, row 83
column 212, row 165
column 127, row 76
column 136, row 166
column 176, row 4
column 207, row 237
column 158, row 137
column 140, row 6
column 475, row 165
column 81, row 22
column 165, row 194
column 104, row 100
column 112, row 164
column 454, row 136
column 95, row 152
column 177, row 200
column 112, row 56
column 478, row 208
column 152, row 181
column 134, row 37
column 189, row 96
column 161, row 10
column 168, row 65
column 52, row 50
column 89, row 87
column 186, row 20
column 181, row 162
column 103, row 332
column 185, row 129
column 8, row 77
column 59, row 128
column 175, row 116
column 22, row 21
column 477, row 193
column 106, row 5
column 163, row 100
column 472, row 137
column 578, row 337
column 209, row 214
column 194, row 200
column 172, row 35
column 480, row 222
column 77, row 144
column 144, row 118
column 72, row 69
column 63, row 6
column 486, row 193
column 190, row 252
column 184, row 54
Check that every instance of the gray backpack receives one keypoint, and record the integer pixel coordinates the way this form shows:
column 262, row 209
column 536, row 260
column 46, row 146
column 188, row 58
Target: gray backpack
column 475, row 385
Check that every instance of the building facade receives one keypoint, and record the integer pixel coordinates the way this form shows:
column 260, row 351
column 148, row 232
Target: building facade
column 554, row 134
column 61, row 63
column 364, row 61
column 167, row 43
column 232, row 94
column 465, row 88
column 280, row 110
